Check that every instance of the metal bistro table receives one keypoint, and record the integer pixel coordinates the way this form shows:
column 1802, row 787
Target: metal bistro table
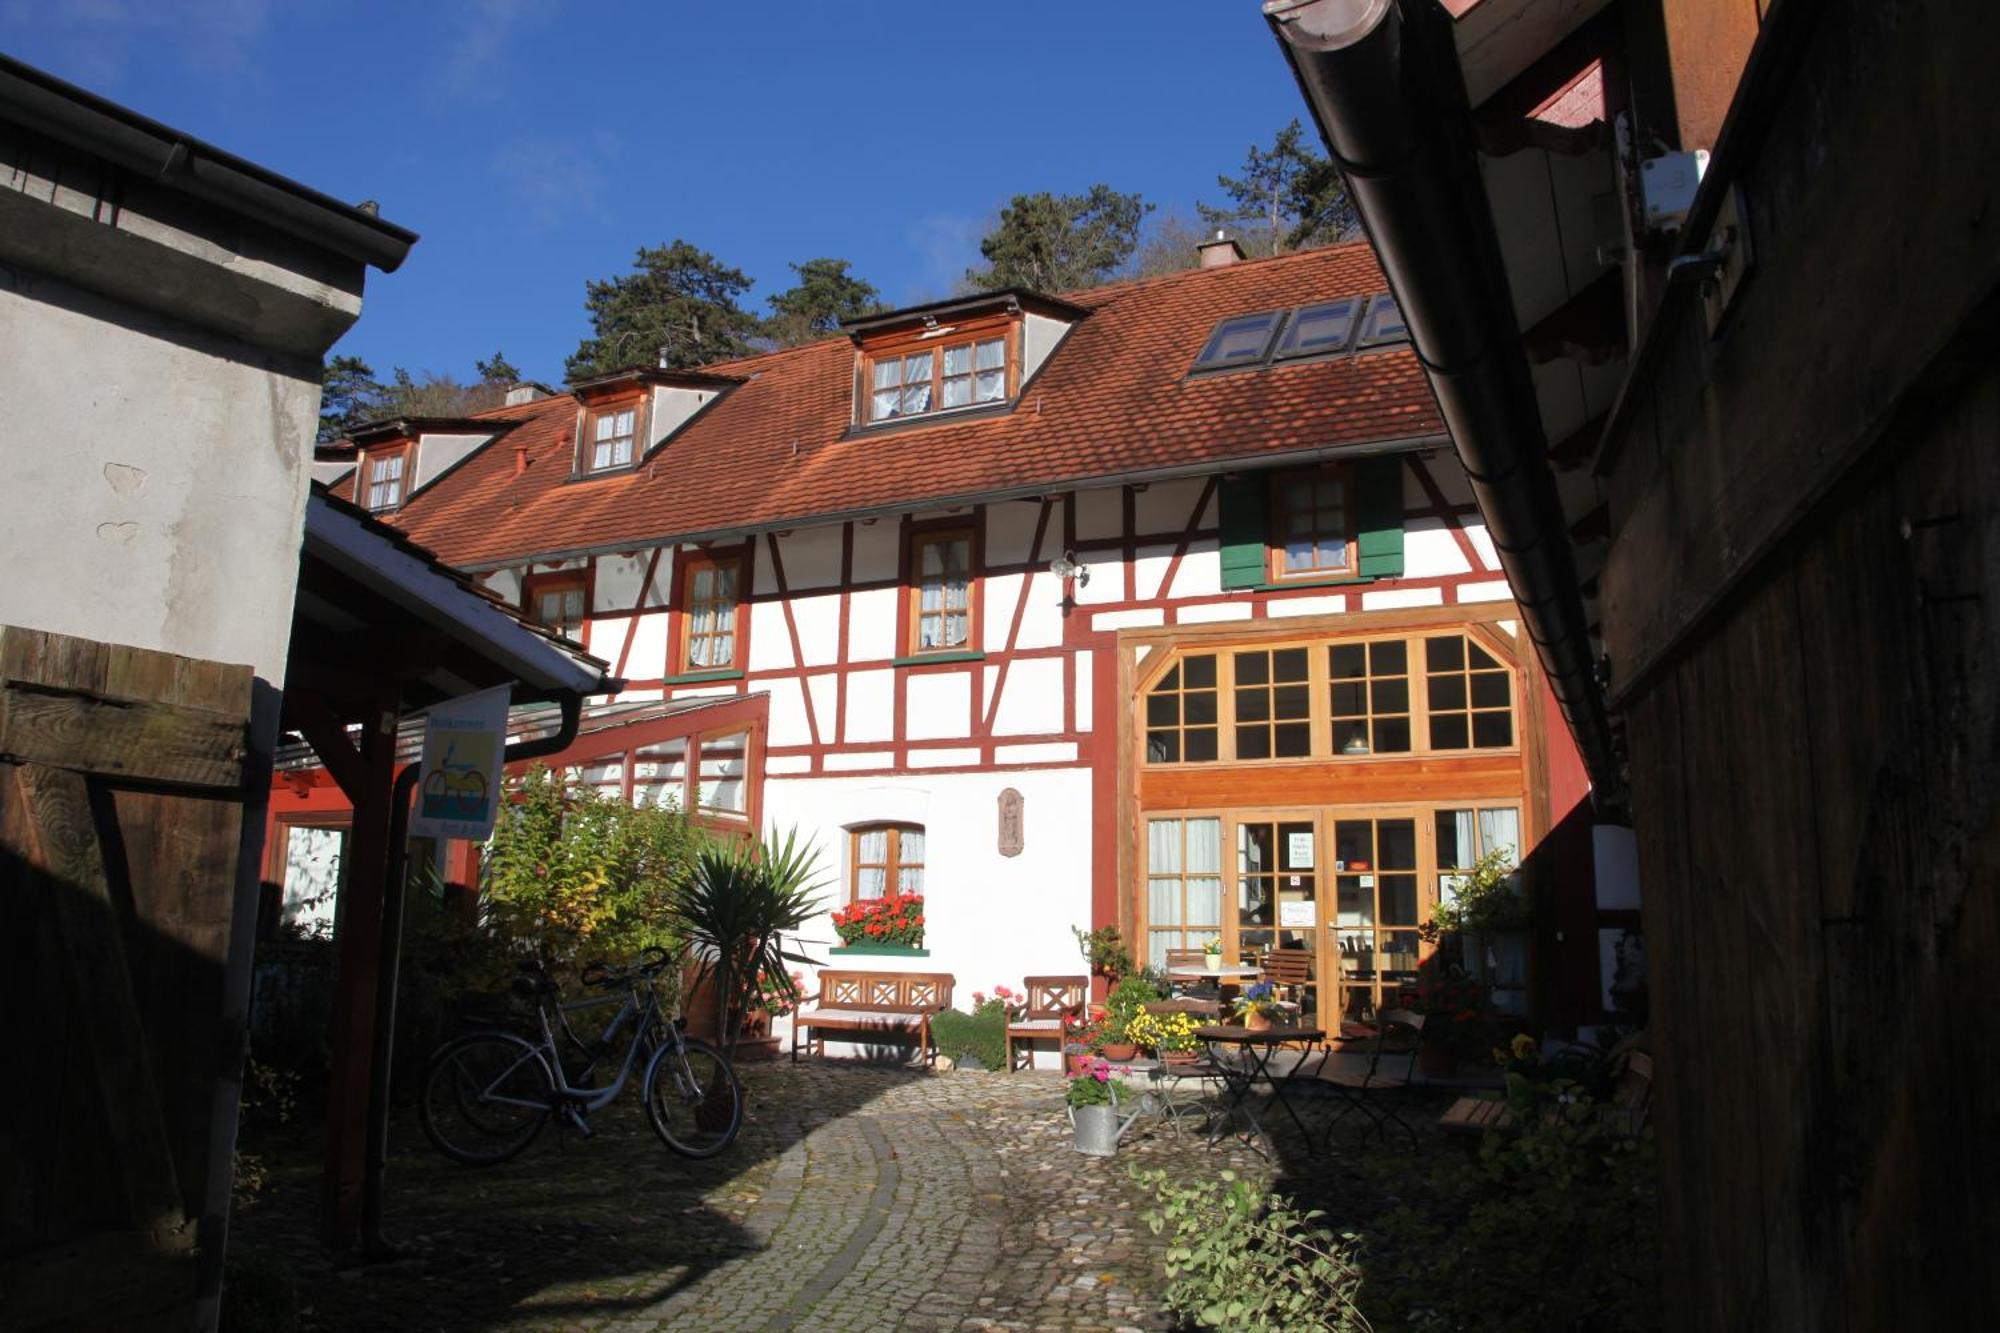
column 1254, row 1048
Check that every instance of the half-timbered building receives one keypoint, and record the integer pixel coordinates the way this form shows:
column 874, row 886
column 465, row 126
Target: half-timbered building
column 1163, row 604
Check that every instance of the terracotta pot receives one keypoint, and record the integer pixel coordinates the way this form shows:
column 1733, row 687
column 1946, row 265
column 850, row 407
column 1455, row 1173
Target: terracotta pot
column 1117, row 1051
column 1259, row 1021
column 1077, row 1062
column 1179, row 1057
column 755, row 1050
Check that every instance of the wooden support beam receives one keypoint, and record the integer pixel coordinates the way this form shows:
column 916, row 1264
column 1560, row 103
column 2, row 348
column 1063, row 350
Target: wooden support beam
column 358, row 942
column 1589, row 327
column 1580, row 446
column 308, row 714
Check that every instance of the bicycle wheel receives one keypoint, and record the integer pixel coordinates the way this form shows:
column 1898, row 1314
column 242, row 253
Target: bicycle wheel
column 693, row 1098
column 486, row 1097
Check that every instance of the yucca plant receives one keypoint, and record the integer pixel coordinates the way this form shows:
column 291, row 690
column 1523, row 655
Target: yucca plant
column 734, row 912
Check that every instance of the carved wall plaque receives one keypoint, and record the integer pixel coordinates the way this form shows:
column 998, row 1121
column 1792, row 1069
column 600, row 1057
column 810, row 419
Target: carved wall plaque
column 1012, row 833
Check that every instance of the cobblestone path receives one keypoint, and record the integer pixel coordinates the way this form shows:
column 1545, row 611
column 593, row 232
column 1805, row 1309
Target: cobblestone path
column 857, row 1198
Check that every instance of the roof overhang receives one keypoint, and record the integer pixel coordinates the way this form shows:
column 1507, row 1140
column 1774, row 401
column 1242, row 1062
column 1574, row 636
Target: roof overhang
column 409, row 428
column 640, row 377
column 1008, row 300
column 362, row 583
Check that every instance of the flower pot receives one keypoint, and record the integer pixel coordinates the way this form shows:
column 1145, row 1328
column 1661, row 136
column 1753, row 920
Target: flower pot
column 755, row 1050
column 1259, row 1021
column 1212, row 961
column 1076, row 1061
column 1179, row 1057
column 1119, row 1051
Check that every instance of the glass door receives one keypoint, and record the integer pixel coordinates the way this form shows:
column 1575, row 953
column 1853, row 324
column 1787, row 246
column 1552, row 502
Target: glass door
column 1277, row 894
column 1377, row 910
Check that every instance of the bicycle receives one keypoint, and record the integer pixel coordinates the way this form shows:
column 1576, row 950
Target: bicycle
column 486, row 1095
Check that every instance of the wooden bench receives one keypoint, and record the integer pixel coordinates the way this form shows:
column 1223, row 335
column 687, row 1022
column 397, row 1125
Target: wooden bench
column 1626, row 1110
column 871, row 1004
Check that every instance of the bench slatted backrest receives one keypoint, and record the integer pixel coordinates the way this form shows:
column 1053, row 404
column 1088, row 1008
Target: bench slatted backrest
column 886, row 992
column 1055, row 997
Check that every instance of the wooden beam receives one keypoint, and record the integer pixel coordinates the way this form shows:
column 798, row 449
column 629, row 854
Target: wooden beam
column 115, row 738
column 1588, row 327
column 1500, row 40
column 307, row 713
column 1580, row 446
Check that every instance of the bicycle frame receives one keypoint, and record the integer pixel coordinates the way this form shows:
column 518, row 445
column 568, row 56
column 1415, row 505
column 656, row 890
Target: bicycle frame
column 646, row 1011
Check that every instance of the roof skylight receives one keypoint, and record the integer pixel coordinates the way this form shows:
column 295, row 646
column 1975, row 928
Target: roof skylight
column 1323, row 329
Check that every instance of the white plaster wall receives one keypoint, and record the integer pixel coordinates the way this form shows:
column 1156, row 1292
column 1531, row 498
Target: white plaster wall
column 1039, row 336
column 1042, row 621
column 988, row 919
column 1031, row 700
column 1306, row 606
column 1200, row 574
column 824, row 689
column 504, row 584
column 871, row 625
column 648, row 655
column 1429, row 550
column 1099, row 513
column 770, row 639
column 1010, row 531
column 1496, row 591
column 1003, row 594
column 437, row 452
column 818, row 619
column 1166, row 506
column 1446, row 473
column 1388, row 598
column 1107, row 581
column 812, row 557
column 1085, row 689
column 877, row 550
column 605, row 636
column 1149, row 571
column 158, row 482
column 1482, row 542
column 937, row 705
column 1209, row 613
column 871, row 706
column 788, row 713
column 619, row 580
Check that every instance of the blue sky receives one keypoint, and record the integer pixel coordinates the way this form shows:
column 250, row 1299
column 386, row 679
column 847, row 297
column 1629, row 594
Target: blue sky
column 536, row 144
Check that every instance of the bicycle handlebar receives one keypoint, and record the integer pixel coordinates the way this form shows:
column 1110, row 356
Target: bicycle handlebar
column 652, row 960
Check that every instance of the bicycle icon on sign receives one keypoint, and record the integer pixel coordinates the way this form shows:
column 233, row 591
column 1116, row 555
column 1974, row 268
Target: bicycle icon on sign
column 455, row 791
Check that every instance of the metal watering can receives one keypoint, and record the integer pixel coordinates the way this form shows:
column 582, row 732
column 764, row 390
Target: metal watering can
column 1098, row 1128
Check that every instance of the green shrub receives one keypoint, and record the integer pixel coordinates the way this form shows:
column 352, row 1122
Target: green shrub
column 1132, row 993
column 1238, row 1259
column 983, row 1033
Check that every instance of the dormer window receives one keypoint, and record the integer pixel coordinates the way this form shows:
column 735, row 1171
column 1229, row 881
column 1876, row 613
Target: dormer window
column 938, row 378
column 385, row 479
column 613, row 433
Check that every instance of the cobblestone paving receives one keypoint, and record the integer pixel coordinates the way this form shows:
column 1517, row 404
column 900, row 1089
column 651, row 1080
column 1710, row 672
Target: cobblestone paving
column 856, row 1198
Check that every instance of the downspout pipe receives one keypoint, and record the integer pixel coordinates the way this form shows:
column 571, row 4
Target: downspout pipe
column 373, row 1245
column 1381, row 79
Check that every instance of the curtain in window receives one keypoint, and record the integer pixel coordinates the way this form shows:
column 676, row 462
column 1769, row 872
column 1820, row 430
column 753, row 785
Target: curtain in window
column 958, row 375
column 659, row 773
column 886, row 389
column 1500, row 828
column 720, row 782
column 910, row 861
column 992, row 361
column 1204, row 872
column 917, row 383
column 871, row 854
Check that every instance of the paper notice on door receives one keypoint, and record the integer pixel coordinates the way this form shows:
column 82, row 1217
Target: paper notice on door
column 1298, row 914
column 1364, row 881
column 1299, row 850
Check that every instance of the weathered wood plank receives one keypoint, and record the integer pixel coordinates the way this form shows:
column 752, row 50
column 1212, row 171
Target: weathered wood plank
column 144, row 742
column 61, row 857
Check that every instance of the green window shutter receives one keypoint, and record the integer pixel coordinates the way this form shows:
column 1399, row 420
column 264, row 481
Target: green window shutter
column 1378, row 507
column 1243, row 505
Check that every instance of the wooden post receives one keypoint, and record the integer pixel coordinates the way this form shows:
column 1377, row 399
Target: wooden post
column 357, row 932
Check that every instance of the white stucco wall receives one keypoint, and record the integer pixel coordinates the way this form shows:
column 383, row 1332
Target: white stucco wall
column 989, row 919
column 159, row 481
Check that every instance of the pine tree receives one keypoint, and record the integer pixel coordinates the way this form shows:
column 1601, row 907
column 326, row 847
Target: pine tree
column 1056, row 243
column 1289, row 197
column 676, row 308
column 824, row 295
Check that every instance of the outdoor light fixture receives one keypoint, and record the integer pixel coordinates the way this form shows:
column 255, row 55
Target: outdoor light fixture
column 1072, row 575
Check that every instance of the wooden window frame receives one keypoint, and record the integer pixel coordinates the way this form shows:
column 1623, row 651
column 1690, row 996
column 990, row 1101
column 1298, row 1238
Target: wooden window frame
column 1276, row 534
column 1269, row 688
column 696, row 744
column 692, row 563
column 365, row 484
column 1370, row 716
column 1181, row 725
column 1470, row 712
column 918, row 537
column 1319, row 679
column 891, row 867
column 1147, row 927
column 586, row 433
column 1005, row 328
column 534, row 585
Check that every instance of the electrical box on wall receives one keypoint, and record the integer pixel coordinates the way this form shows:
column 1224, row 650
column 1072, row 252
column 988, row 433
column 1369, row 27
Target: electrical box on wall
column 1667, row 186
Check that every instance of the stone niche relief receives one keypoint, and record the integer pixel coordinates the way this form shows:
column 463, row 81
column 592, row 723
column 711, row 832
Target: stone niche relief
column 1012, row 833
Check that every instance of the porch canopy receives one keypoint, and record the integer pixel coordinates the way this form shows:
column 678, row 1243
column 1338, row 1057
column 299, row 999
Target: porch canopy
column 382, row 628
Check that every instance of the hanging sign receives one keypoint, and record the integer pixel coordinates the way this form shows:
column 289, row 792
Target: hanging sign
column 458, row 785
column 1299, row 850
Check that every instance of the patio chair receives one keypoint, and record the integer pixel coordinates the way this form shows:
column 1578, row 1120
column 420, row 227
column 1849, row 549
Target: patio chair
column 1375, row 1090
column 1171, row 1078
column 1050, row 1000
column 1289, row 970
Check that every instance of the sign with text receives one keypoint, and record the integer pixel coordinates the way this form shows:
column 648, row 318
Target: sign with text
column 1298, row 913
column 458, row 785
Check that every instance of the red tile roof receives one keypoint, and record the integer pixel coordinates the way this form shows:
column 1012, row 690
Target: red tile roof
column 1114, row 399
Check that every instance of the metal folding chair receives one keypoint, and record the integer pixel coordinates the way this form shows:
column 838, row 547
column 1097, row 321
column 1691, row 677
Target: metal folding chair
column 1375, row 1091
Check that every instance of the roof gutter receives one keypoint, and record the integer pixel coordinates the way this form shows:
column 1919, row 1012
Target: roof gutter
column 84, row 120
column 1380, row 77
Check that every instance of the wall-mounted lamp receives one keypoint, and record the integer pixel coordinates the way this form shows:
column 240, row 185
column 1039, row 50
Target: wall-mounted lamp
column 1073, row 576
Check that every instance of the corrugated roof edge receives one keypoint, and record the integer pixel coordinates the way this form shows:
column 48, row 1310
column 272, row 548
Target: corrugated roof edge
column 84, row 120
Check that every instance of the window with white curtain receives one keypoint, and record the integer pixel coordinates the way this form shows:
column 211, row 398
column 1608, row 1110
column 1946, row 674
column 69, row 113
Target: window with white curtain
column 885, row 857
column 1463, row 836
column 1183, row 885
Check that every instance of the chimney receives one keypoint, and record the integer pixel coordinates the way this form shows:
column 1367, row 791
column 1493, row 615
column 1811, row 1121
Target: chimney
column 527, row 391
column 520, row 459
column 1220, row 251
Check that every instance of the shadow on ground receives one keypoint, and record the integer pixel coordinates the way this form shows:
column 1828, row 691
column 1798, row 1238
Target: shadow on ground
column 573, row 1230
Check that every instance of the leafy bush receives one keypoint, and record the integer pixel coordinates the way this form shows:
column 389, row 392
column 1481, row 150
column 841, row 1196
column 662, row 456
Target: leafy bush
column 576, row 874
column 1554, row 1228
column 1104, row 950
column 983, row 1032
column 1488, row 899
column 1238, row 1259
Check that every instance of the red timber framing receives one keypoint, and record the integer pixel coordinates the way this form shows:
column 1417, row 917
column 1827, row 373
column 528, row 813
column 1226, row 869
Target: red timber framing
column 990, row 661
